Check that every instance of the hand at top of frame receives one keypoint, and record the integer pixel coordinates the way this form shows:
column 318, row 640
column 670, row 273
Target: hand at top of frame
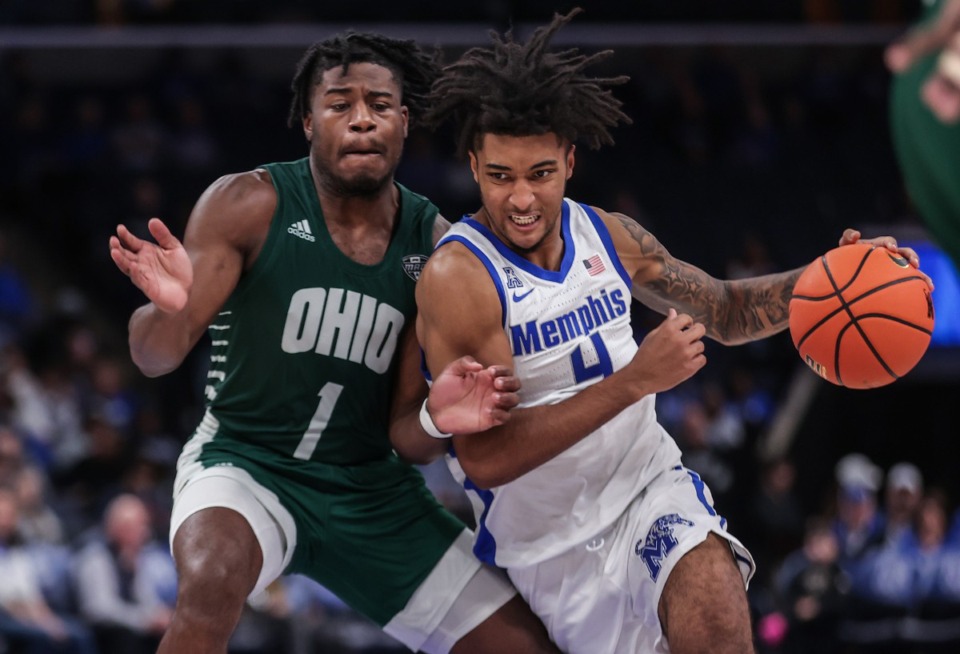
column 941, row 91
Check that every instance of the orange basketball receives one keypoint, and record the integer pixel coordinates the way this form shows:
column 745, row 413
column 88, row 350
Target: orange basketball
column 861, row 316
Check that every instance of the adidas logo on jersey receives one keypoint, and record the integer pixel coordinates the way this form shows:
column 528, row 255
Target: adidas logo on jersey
column 301, row 228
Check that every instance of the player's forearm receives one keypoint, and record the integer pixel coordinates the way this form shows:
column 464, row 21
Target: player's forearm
column 534, row 435
column 412, row 443
column 752, row 308
column 159, row 342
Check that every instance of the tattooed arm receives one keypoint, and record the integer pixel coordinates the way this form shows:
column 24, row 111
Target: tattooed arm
column 733, row 311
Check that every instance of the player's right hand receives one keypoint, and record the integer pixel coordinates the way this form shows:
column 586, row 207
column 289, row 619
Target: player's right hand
column 467, row 397
column 162, row 270
column 670, row 354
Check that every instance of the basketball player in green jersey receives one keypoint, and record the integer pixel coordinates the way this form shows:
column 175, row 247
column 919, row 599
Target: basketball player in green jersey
column 304, row 275
column 925, row 118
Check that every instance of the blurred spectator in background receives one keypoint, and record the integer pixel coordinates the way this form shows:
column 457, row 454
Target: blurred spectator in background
column 903, row 493
column 264, row 626
column 885, row 613
column 813, row 587
column 47, row 407
column 776, row 517
column 125, row 580
column 86, row 486
column 192, row 146
column 44, row 538
column 11, row 456
column 150, row 475
column 700, row 453
column 110, row 394
column 26, row 620
column 925, row 111
column 939, row 609
column 16, row 299
column 139, row 138
column 858, row 525
column 321, row 622
column 39, row 523
column 87, row 143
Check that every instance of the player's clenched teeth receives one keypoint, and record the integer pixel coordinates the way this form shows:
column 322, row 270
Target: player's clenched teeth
column 524, row 220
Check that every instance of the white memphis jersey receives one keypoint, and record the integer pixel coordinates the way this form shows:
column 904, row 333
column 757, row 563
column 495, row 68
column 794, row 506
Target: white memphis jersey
column 568, row 329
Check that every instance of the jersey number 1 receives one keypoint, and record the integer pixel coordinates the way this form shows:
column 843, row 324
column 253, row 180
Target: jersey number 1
column 329, row 395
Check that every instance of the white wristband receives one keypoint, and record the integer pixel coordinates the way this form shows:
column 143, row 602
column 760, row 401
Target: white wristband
column 427, row 423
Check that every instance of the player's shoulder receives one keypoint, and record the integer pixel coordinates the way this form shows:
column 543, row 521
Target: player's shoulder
column 624, row 230
column 252, row 187
column 453, row 275
column 452, row 257
column 613, row 218
column 236, row 208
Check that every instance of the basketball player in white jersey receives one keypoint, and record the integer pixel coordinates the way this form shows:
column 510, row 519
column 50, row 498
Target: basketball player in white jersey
column 582, row 496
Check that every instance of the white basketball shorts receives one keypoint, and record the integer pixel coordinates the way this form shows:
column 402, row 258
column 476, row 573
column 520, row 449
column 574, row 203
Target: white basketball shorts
column 601, row 597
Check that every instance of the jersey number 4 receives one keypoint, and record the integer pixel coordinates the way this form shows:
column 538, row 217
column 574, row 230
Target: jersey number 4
column 329, row 395
column 602, row 367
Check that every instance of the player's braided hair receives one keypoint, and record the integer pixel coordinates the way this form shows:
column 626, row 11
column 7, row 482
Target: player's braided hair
column 414, row 69
column 517, row 89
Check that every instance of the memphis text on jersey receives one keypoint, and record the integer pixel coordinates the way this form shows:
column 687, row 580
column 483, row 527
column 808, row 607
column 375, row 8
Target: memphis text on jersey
column 593, row 313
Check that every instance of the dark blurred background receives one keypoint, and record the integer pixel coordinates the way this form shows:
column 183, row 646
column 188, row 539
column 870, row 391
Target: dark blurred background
column 760, row 131
column 487, row 12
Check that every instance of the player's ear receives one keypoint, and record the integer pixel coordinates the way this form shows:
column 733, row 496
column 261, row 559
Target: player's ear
column 570, row 160
column 405, row 116
column 474, row 166
column 308, row 126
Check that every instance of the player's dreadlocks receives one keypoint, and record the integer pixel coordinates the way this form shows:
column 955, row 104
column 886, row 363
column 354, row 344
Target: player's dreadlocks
column 414, row 69
column 517, row 89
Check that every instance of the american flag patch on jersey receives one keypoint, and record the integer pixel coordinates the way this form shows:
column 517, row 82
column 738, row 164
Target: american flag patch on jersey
column 594, row 265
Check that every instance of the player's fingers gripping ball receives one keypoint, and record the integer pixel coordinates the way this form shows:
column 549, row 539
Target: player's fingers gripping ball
column 861, row 316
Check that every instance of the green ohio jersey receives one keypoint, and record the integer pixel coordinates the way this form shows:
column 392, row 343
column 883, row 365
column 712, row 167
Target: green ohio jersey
column 303, row 350
column 928, row 152
column 298, row 396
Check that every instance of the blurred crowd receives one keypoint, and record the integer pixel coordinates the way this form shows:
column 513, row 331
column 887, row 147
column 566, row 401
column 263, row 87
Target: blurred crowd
column 879, row 573
column 125, row 12
column 88, row 447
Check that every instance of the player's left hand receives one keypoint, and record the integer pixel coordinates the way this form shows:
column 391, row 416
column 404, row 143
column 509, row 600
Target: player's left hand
column 467, row 398
column 851, row 236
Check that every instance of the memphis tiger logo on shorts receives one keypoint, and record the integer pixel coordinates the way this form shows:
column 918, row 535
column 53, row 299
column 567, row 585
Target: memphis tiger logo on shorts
column 659, row 542
column 413, row 265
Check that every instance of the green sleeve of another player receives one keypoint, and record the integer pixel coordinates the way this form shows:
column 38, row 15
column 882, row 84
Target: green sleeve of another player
column 929, row 155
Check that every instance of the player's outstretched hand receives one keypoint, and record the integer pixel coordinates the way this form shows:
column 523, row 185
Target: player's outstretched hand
column 669, row 354
column 467, row 398
column 162, row 270
column 851, row 236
